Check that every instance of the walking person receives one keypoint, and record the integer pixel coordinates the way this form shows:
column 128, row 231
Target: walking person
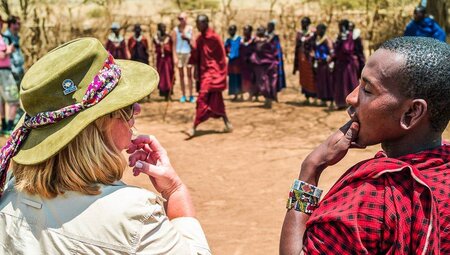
column 181, row 37
column 211, row 71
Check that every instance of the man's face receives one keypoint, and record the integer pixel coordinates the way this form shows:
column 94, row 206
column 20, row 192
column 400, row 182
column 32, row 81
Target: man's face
column 231, row 31
column 270, row 27
column 260, row 32
column 304, row 24
column 162, row 29
column 247, row 32
column 377, row 104
column 137, row 31
column 15, row 27
column 201, row 25
column 351, row 27
column 321, row 31
column 418, row 15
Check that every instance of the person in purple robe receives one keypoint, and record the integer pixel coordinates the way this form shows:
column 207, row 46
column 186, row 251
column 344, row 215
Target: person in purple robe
column 274, row 38
column 265, row 60
column 359, row 48
column 345, row 69
column 323, row 66
column 247, row 74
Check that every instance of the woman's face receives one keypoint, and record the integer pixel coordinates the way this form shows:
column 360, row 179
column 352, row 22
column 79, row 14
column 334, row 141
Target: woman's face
column 121, row 126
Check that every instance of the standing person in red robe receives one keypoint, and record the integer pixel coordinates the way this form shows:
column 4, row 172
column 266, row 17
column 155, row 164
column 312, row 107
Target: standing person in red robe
column 164, row 61
column 303, row 60
column 116, row 43
column 138, row 45
column 211, row 72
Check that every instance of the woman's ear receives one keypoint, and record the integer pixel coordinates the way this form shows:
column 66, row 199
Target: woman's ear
column 415, row 114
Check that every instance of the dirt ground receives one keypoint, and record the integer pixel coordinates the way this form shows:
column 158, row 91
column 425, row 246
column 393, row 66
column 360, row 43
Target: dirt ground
column 239, row 181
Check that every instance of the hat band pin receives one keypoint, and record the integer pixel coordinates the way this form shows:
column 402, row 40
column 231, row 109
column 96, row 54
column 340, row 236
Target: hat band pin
column 68, row 86
column 103, row 83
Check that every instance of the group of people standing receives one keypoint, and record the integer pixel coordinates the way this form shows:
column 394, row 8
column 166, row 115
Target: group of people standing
column 329, row 70
column 255, row 63
column 170, row 50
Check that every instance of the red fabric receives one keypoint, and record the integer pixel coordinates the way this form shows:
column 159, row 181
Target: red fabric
column 165, row 66
column 386, row 206
column 211, row 60
column 209, row 105
column 119, row 51
column 138, row 49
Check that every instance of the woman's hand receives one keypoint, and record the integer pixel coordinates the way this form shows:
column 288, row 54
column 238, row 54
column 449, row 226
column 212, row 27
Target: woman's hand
column 150, row 158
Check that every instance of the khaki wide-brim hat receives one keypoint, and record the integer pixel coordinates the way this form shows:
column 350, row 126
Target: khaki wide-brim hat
column 42, row 90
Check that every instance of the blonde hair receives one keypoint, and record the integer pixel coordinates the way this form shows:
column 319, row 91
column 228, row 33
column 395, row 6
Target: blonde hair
column 91, row 158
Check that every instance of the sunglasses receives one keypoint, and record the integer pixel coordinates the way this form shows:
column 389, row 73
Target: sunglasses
column 126, row 113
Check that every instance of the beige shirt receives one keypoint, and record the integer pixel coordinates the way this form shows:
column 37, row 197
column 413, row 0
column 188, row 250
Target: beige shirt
column 121, row 220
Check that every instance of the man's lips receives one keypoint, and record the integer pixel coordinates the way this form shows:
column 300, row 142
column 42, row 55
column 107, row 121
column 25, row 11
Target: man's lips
column 352, row 113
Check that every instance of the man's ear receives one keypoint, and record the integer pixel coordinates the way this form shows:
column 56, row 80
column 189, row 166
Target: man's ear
column 416, row 113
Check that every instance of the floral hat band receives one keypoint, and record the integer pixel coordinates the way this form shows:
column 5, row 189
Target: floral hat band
column 103, row 83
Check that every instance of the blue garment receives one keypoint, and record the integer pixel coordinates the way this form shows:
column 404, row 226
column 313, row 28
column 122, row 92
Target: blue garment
column 321, row 52
column 234, row 82
column 17, row 59
column 426, row 28
column 233, row 46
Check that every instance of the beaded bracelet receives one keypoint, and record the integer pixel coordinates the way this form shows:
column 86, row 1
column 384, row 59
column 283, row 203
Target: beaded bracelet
column 303, row 197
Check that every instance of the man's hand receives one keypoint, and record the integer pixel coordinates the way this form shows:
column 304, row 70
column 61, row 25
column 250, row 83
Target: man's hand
column 329, row 152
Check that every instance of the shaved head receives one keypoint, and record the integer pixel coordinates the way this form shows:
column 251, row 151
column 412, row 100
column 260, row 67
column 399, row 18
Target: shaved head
column 202, row 23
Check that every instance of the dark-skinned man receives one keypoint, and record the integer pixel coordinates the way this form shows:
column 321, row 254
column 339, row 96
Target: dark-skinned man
column 398, row 201
column 211, row 71
column 421, row 25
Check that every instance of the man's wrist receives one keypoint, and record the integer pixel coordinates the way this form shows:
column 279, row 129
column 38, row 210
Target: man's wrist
column 311, row 170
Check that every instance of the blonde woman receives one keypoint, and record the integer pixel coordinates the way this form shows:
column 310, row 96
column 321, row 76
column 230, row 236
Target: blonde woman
column 65, row 196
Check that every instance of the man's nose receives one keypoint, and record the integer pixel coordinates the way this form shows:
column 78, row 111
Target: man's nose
column 352, row 98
